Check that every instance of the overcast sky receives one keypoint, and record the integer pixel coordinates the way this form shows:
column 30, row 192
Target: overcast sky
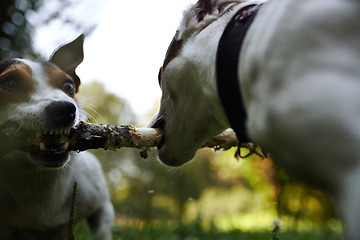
column 126, row 49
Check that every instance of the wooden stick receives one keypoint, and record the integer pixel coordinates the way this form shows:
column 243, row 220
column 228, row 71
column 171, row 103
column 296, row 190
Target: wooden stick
column 93, row 136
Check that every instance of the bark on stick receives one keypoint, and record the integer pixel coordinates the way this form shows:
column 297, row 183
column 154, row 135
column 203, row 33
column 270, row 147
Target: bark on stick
column 93, row 136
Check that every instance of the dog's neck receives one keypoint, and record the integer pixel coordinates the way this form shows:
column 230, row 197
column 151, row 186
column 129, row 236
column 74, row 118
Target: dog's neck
column 18, row 169
column 26, row 181
column 206, row 35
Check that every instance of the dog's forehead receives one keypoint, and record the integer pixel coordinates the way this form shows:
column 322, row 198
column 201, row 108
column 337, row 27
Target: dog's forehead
column 37, row 68
column 45, row 74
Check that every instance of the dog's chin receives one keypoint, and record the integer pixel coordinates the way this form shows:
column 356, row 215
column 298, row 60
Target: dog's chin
column 174, row 156
column 50, row 159
column 169, row 152
column 172, row 160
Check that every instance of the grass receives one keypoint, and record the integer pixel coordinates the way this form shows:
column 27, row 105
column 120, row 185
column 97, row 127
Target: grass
column 195, row 231
column 191, row 232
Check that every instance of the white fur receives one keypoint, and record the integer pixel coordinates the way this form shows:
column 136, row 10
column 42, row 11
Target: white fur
column 34, row 201
column 189, row 90
column 300, row 78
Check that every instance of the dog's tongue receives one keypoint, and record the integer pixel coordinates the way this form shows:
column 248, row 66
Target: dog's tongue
column 50, row 140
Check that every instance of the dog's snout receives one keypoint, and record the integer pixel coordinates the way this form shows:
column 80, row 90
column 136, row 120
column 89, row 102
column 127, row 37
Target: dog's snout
column 60, row 114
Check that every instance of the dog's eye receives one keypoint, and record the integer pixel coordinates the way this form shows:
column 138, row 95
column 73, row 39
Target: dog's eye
column 68, row 87
column 9, row 84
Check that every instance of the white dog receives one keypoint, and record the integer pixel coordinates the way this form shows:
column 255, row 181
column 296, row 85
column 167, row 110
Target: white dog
column 296, row 92
column 36, row 188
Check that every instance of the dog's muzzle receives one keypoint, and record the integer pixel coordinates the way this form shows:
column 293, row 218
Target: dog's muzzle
column 60, row 114
column 52, row 152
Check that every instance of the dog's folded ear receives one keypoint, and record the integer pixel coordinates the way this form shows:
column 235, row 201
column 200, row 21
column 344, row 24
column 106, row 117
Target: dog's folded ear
column 202, row 8
column 201, row 14
column 211, row 7
column 69, row 56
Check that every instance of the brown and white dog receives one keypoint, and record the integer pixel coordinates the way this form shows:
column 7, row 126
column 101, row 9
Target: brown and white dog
column 36, row 187
column 298, row 77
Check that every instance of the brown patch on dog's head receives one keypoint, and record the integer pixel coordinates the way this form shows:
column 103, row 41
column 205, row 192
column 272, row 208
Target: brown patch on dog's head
column 203, row 7
column 208, row 7
column 60, row 80
column 16, row 82
column 171, row 53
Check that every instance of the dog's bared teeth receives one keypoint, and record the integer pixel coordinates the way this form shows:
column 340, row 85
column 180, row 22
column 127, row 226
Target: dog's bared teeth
column 65, row 146
column 42, row 146
column 67, row 131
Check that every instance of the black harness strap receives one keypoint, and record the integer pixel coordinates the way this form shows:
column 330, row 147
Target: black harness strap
column 227, row 62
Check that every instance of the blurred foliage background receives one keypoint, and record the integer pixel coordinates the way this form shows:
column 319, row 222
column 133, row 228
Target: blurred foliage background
column 214, row 193
column 15, row 32
column 214, row 197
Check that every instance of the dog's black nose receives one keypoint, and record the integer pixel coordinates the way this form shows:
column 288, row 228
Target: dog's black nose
column 60, row 114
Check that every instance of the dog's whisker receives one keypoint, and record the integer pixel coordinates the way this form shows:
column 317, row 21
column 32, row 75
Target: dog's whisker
column 67, row 165
column 92, row 109
column 18, row 129
column 171, row 104
column 88, row 116
column 88, row 105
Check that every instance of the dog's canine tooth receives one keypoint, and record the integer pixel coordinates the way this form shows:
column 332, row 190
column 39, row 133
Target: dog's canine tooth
column 42, row 146
column 65, row 146
column 67, row 131
column 51, row 131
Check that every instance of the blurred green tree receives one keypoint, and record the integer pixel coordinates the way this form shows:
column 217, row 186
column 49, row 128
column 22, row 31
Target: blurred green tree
column 20, row 18
column 215, row 184
column 137, row 184
column 103, row 107
column 15, row 29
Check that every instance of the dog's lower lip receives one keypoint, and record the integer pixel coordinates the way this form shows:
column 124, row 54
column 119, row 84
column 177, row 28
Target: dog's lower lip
column 51, row 152
column 50, row 158
column 54, row 147
column 160, row 123
column 162, row 141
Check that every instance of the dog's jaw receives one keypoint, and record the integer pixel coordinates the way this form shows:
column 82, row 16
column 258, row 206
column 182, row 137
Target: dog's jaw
column 52, row 153
column 184, row 131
